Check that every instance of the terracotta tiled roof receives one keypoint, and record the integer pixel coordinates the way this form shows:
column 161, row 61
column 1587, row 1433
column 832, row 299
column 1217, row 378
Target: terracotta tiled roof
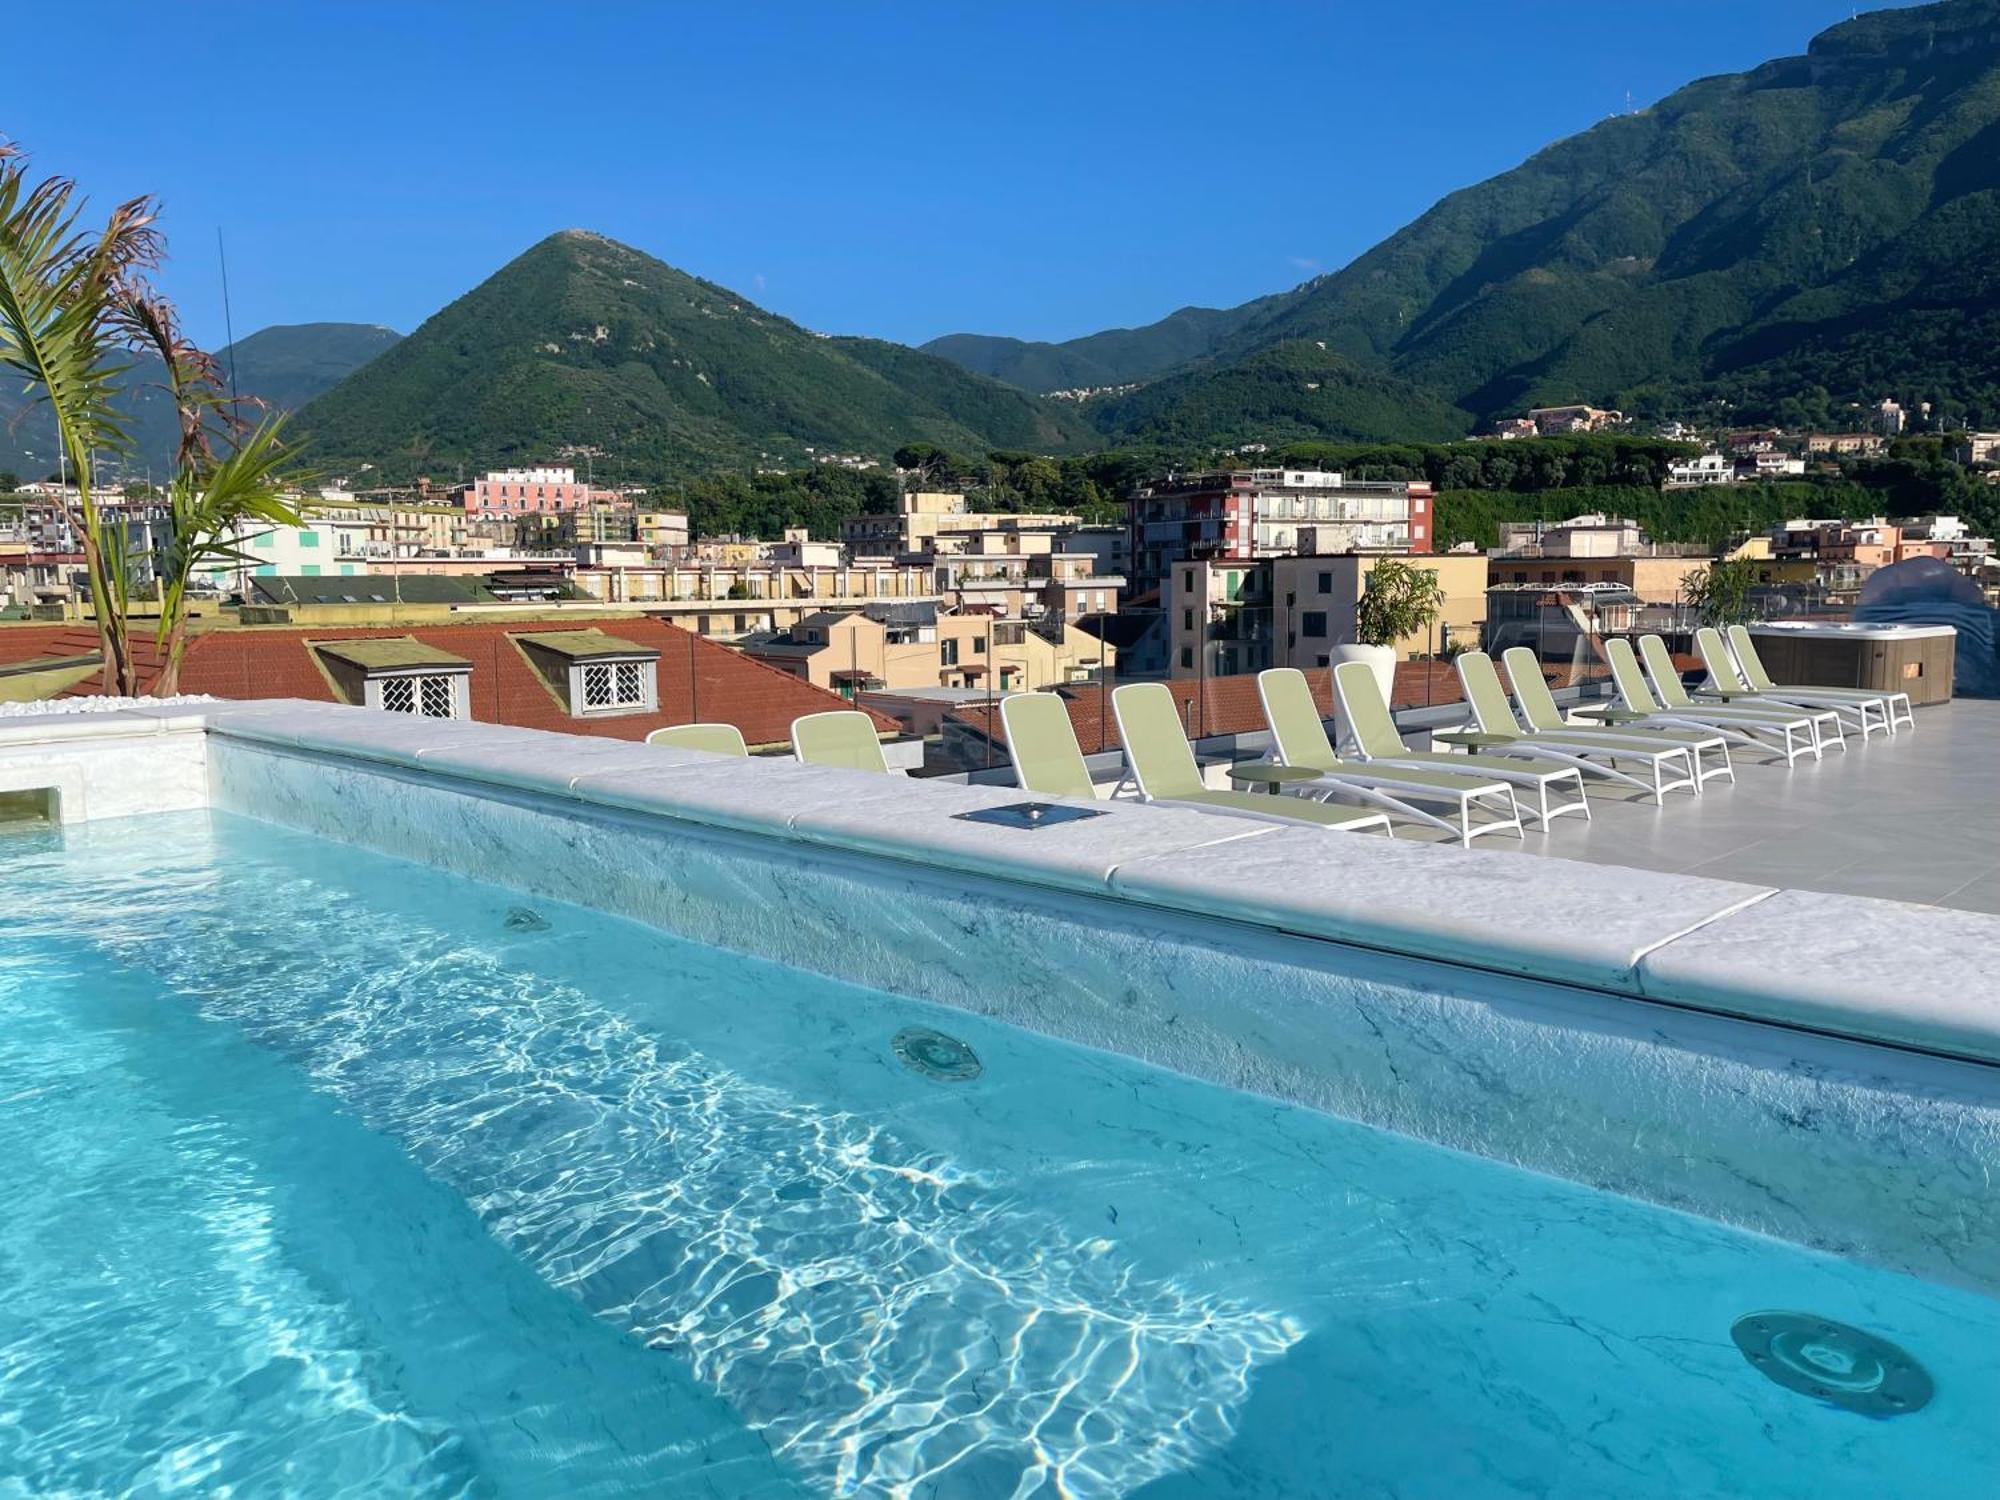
column 698, row 680
column 19, row 643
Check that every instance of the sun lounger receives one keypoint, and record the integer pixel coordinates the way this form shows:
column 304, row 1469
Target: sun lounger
column 843, row 737
column 1042, row 743
column 1751, row 665
column 1673, row 695
column 1370, row 731
column 1299, row 740
column 1163, row 765
column 717, row 739
column 1791, row 738
column 1868, row 714
column 1539, row 710
column 1669, row 768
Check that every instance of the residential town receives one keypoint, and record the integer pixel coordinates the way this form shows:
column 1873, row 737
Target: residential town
column 926, row 613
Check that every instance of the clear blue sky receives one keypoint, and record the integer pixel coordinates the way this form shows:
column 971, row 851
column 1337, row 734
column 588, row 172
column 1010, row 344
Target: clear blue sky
column 902, row 170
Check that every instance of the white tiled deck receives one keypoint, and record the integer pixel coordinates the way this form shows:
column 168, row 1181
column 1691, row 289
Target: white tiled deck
column 1914, row 818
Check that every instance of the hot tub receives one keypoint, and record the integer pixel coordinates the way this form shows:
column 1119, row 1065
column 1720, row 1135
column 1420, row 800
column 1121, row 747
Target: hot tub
column 1913, row 659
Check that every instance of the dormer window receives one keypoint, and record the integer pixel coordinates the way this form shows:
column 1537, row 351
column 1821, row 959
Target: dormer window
column 616, row 684
column 428, row 695
column 593, row 674
column 399, row 675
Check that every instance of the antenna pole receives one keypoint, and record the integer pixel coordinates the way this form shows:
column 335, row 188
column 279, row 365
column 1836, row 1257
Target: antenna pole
column 228, row 323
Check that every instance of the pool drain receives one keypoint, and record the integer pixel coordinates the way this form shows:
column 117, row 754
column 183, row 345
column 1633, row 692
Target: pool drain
column 1842, row 1366
column 521, row 919
column 935, row 1055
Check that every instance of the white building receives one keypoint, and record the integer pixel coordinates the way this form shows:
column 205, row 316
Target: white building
column 1693, row 473
column 326, row 546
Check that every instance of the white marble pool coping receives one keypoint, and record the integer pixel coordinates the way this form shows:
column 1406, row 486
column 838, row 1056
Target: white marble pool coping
column 1870, row 970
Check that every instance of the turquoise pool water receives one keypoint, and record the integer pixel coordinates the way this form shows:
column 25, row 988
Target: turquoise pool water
column 328, row 1174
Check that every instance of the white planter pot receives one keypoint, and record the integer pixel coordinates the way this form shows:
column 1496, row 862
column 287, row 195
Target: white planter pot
column 1381, row 660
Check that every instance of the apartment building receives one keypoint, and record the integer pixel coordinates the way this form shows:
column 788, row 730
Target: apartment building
column 420, row 530
column 730, row 601
column 932, row 521
column 1843, row 554
column 659, row 530
column 34, row 580
column 797, row 549
column 1593, row 551
column 1656, row 578
column 892, row 648
column 1844, row 444
column 1970, row 554
column 1240, row 515
column 1074, row 588
column 1226, row 618
column 514, row 492
column 339, row 541
column 1592, row 535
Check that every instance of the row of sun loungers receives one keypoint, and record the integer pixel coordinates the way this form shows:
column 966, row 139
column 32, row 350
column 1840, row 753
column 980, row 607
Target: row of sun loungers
column 1523, row 759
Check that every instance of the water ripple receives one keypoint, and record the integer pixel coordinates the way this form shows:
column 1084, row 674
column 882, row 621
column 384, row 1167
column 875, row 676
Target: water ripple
column 893, row 1324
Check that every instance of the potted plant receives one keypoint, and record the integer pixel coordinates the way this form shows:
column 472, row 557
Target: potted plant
column 1399, row 600
column 1719, row 594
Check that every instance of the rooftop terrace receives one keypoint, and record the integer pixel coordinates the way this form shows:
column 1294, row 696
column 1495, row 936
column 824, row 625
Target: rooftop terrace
column 1916, row 818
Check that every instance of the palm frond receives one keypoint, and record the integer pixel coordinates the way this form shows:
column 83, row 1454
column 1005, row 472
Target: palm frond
column 193, row 380
column 59, row 294
column 207, row 510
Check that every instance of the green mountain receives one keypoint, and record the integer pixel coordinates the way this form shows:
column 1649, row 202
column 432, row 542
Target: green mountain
column 582, row 343
column 1828, row 220
column 1289, row 391
column 283, row 366
column 1117, row 356
column 1820, row 231
column 288, row 364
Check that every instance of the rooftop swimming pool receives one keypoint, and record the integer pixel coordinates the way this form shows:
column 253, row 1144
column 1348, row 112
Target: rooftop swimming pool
column 330, row 1173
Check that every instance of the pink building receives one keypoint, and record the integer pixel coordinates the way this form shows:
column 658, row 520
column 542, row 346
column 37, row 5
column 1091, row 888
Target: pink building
column 520, row 492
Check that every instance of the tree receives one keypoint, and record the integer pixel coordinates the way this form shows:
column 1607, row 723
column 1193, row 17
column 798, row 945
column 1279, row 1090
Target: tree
column 61, row 290
column 1400, row 599
column 9, row 481
column 931, row 463
column 213, row 490
column 1719, row 594
column 73, row 306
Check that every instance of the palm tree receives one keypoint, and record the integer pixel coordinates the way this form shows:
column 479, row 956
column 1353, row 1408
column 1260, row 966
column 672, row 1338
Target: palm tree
column 61, row 290
column 73, row 306
column 210, row 495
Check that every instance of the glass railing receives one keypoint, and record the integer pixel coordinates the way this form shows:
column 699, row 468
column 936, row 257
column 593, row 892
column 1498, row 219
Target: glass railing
column 1209, row 665
column 1211, row 673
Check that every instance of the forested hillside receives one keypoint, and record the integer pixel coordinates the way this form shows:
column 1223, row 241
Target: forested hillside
column 583, row 344
column 1780, row 244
